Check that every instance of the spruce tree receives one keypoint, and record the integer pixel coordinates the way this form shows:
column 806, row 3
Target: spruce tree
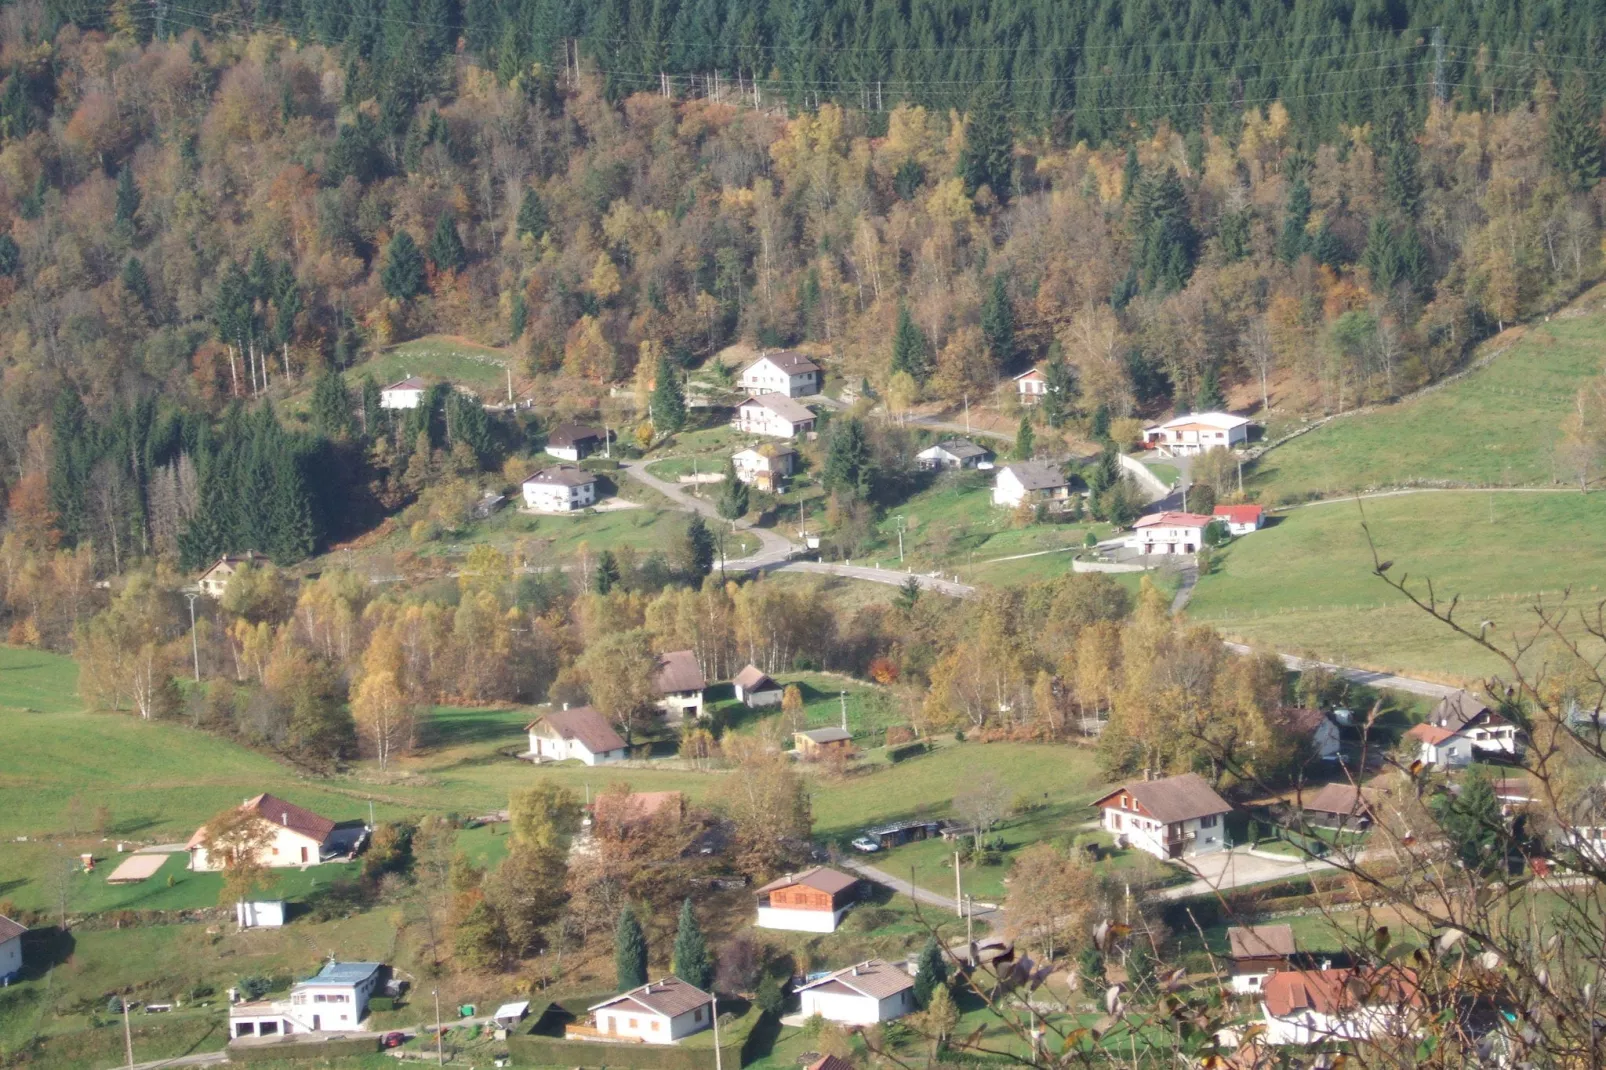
column 988, row 158
column 518, row 315
column 699, row 548
column 629, row 952
column 998, row 323
column 1326, row 248
column 733, row 494
column 127, row 199
column 668, row 403
column 1472, row 823
column 1090, row 968
column 606, row 577
column 1025, row 439
column 692, row 963
column 290, row 536
column 136, row 282
column 331, row 406
column 909, row 348
column 1574, row 144
column 1294, row 241
column 1209, row 397
column 931, row 970
column 848, row 466
column 10, row 256
column 373, row 413
column 1131, row 174
column 446, row 250
column 532, row 218
column 403, row 273
column 1382, row 256
column 1059, row 388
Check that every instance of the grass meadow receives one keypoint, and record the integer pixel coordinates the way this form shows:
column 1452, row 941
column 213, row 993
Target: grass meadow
column 454, row 360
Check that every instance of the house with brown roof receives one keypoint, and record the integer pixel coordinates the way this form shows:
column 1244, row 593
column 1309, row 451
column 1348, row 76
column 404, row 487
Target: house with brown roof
column 407, row 394
column 1461, row 728
column 679, row 682
column 215, row 580
column 1168, row 533
column 765, row 466
column 862, row 994
column 1175, row 817
column 575, row 442
column 659, row 1012
column 773, row 414
column 1258, row 951
column 822, row 742
column 297, row 837
column 1196, row 432
column 829, row 1062
column 582, row 733
column 1338, row 806
column 755, row 688
column 1314, row 727
column 1320, row 1006
column 11, row 933
column 785, row 372
column 1031, row 385
column 1029, row 482
column 810, row 902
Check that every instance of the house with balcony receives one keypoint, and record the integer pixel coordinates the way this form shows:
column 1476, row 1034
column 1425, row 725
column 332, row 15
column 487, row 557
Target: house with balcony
column 335, row 1000
column 1174, row 817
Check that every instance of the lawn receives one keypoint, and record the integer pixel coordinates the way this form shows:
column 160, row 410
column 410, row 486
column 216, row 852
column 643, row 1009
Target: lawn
column 1305, row 583
column 458, row 361
column 1498, row 426
column 870, row 710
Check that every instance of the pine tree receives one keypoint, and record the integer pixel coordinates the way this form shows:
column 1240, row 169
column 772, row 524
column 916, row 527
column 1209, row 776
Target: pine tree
column 373, row 413
column 606, row 576
column 532, row 218
column 403, row 273
column 931, row 970
column 998, row 323
column 1574, row 144
column 10, row 256
column 1294, row 241
column 1326, row 249
column 668, row 403
column 1025, row 439
column 1090, row 968
column 848, row 466
column 1209, row 397
column 692, row 963
column 988, row 158
column 331, row 406
column 629, row 952
column 733, row 494
column 699, row 548
column 909, row 352
column 127, row 199
column 1382, row 256
column 136, row 282
column 446, row 250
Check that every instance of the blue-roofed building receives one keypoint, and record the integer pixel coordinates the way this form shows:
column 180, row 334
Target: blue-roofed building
column 334, row 1000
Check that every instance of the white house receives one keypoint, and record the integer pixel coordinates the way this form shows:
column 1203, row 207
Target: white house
column 1169, row 533
column 297, row 837
column 862, row 994
column 215, row 580
column 766, row 466
column 1031, row 384
column 1461, row 728
column 659, row 1012
column 259, row 913
column 10, row 947
column 563, row 488
column 1196, row 433
column 574, row 442
column 333, row 1001
column 581, row 733
column 1241, row 519
column 1306, row 1007
column 1176, row 817
column 1314, row 726
column 754, row 688
column 954, row 453
column 786, row 372
column 407, row 394
column 810, row 902
column 1258, row 951
column 1029, row 481
column 773, row 414
column 679, row 682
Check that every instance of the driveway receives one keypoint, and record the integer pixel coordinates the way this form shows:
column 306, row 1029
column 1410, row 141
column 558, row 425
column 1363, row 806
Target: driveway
column 993, row 915
column 882, row 575
column 1366, row 677
column 773, row 547
column 1236, row 868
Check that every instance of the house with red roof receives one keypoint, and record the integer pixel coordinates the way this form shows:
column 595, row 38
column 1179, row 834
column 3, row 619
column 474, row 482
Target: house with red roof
column 1169, row 533
column 1461, row 728
column 1241, row 519
column 296, row 837
column 1306, row 1007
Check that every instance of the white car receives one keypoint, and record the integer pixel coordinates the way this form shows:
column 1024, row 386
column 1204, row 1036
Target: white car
column 866, row 844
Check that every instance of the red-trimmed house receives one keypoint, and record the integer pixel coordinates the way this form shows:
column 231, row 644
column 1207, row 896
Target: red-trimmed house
column 1175, row 817
column 1241, row 519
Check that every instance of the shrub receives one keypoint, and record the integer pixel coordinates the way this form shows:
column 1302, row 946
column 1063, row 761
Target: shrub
column 898, row 733
column 868, row 919
column 905, row 752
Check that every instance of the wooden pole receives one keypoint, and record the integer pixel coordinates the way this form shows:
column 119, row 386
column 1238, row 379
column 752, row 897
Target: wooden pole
column 128, row 1037
column 959, row 891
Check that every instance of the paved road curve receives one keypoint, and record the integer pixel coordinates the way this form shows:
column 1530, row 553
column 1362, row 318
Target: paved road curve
column 1367, row 677
column 773, row 548
column 882, row 575
column 990, row 914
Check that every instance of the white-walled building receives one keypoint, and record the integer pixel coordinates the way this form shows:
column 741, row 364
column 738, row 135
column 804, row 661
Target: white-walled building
column 333, row 1001
column 954, row 453
column 1258, row 951
column 297, row 836
column 659, row 1012
column 679, row 683
column 1025, row 482
column 1169, row 533
column 765, row 467
column 862, row 994
column 1305, row 1007
column 1313, row 726
column 581, row 733
column 785, row 372
column 259, row 913
column 1176, row 817
column 773, row 414
column 563, row 488
column 407, row 394
column 755, row 688
column 1241, row 519
column 813, row 901
column 1031, row 385
column 1463, row 727
column 1196, row 433
column 575, row 442
column 215, row 580
column 10, row 947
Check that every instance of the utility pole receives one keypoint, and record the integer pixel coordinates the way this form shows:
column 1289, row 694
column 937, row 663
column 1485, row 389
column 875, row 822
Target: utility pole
column 440, row 1042
column 509, row 369
column 195, row 646
column 959, row 891
column 128, row 1036
column 843, row 695
column 967, row 412
column 718, row 1064
column 901, row 524
column 970, row 929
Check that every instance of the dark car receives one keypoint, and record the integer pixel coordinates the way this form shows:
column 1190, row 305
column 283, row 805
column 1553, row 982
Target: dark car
column 393, row 1040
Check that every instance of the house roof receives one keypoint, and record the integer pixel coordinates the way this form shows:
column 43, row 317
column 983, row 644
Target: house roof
column 678, row 671
column 1174, row 798
column 820, row 878
column 782, row 406
column 1214, row 421
column 276, row 810
column 562, row 475
column 639, row 805
column 873, row 977
column 670, row 997
column 412, row 382
column 1035, row 475
column 229, row 561
column 959, row 447
column 344, row 973
column 583, row 724
column 829, row 1062
column 1173, row 520
column 1513, row 789
column 1030, row 373
column 1431, row 734
column 1240, row 514
column 826, row 735
column 1260, row 941
column 10, row 930
column 1339, row 798
column 753, row 678
column 1458, row 709
column 571, row 433
column 512, row 1010
column 1332, row 992
column 789, row 361
column 1301, row 720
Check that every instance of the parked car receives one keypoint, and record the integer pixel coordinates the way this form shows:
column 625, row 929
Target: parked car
column 393, row 1040
column 865, row 844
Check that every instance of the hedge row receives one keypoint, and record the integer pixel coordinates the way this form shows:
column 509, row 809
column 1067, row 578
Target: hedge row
column 293, row 1048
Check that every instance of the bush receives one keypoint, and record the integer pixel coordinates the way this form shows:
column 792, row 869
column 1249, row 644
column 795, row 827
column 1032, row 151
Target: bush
column 898, row 733
column 905, row 752
column 253, row 987
column 868, row 919
column 382, row 1003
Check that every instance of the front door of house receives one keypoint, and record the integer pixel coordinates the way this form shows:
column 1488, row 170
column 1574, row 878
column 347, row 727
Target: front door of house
column 317, row 1023
column 1175, row 849
column 303, row 856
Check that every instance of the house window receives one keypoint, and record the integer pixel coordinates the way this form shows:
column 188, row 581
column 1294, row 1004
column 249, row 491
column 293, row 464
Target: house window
column 1207, row 822
column 697, row 1015
column 655, row 1024
column 1125, row 803
column 633, row 1024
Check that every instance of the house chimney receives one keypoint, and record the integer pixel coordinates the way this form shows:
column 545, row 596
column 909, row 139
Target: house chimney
column 565, row 705
column 1327, row 964
column 855, row 969
column 284, row 819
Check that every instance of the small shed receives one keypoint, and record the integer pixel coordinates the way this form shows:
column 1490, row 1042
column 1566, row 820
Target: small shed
column 755, row 688
column 260, row 914
column 511, row 1014
column 820, row 742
